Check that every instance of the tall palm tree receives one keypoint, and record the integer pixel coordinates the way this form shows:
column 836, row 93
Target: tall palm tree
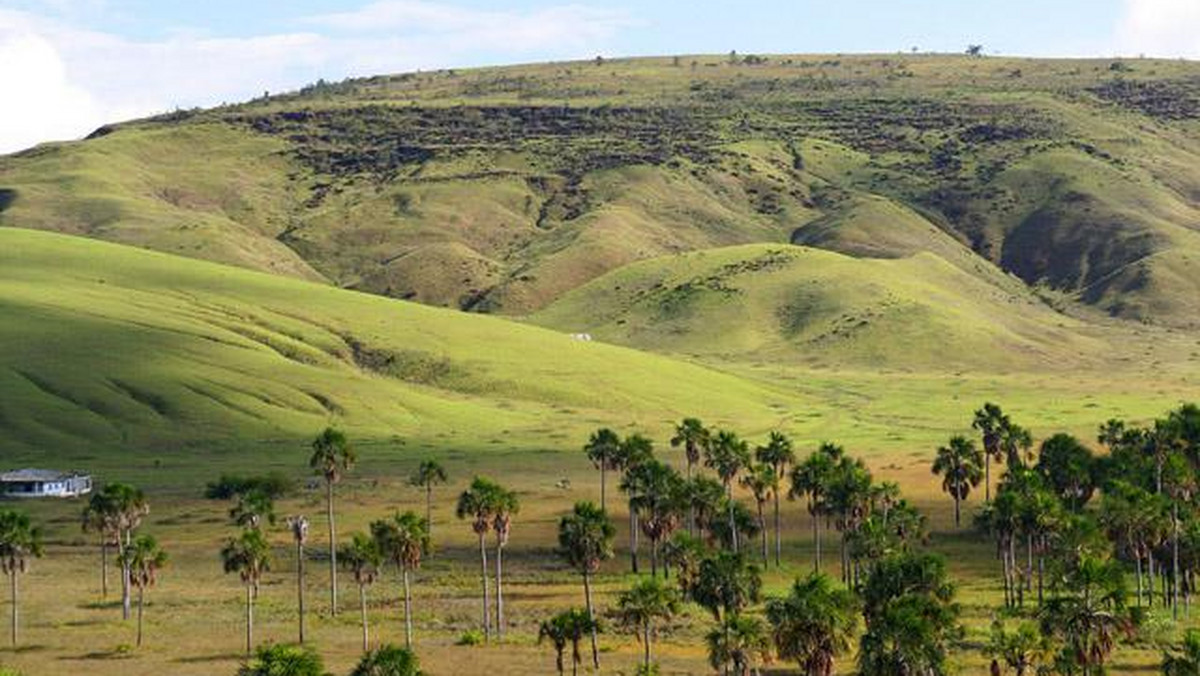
column 728, row 456
column 705, row 498
column 761, row 481
column 642, row 606
column 585, row 539
column 478, row 503
column 656, row 496
column 726, row 584
column 1015, row 442
column 779, row 454
column 813, row 624
column 604, row 450
column 735, row 645
column 990, row 421
column 20, row 541
column 331, row 458
column 811, row 479
column 298, row 526
column 100, row 517
column 635, row 451
column 691, row 434
column 959, row 464
column 1023, row 651
column 506, row 506
column 145, row 558
column 403, row 540
column 126, row 506
column 569, row 626
column 427, row 475
column 1089, row 613
column 249, row 556
column 362, row 557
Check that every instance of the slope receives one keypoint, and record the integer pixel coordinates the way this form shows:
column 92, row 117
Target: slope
column 109, row 347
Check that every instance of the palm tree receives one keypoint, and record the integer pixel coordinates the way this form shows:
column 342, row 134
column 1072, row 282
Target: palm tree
column 1015, row 442
column 144, row 558
column 388, row 660
column 428, row 474
column 635, row 451
column 298, row 526
column 362, row 557
column 728, row 456
column 478, row 503
column 639, row 608
column 585, row 539
column 100, row 517
column 569, row 626
column 1023, row 650
column 761, row 482
column 684, row 553
column 20, row 541
column 249, row 556
column 1186, row 662
column 814, row 624
column 990, row 422
column 284, row 660
column 811, row 479
column 735, row 645
column 911, row 617
column 332, row 457
column 777, row 453
column 1089, row 613
column 656, row 496
column 959, row 464
column 604, row 450
column 126, row 506
column 691, row 434
column 252, row 509
column 505, row 505
column 402, row 541
column 726, row 584
column 705, row 498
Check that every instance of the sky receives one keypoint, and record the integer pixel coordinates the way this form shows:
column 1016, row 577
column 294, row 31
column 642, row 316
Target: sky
column 69, row 66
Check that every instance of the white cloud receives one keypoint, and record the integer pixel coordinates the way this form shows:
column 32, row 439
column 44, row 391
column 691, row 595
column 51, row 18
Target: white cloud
column 63, row 80
column 1160, row 28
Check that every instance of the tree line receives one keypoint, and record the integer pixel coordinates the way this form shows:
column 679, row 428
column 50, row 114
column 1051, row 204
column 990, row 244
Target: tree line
column 1070, row 527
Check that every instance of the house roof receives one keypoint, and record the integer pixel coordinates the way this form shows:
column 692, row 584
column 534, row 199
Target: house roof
column 31, row 474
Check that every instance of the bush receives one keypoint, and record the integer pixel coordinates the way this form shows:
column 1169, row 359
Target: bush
column 284, row 660
column 388, row 660
column 229, row 486
column 470, row 637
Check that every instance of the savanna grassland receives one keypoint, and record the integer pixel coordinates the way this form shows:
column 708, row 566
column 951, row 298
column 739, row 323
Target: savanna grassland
column 861, row 249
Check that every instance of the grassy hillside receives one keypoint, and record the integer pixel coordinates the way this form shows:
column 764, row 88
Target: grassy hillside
column 113, row 348
column 784, row 303
column 502, row 189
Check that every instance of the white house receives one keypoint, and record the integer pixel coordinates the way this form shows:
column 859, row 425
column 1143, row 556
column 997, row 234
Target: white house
column 44, row 483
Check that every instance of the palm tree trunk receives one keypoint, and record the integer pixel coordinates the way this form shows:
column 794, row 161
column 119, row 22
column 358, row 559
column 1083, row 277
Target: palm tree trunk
column 1041, row 569
column 957, row 514
column 487, row 609
column 816, row 526
column 429, row 510
column 646, row 645
column 141, row 606
column 778, row 536
column 987, row 476
column 499, row 592
column 1175, row 560
column 408, row 624
column 14, row 597
column 249, row 618
column 333, row 604
column 1029, row 561
column 1137, row 558
column 300, row 585
column 653, row 557
column 1150, row 576
column 732, row 522
column 362, row 613
column 126, row 599
column 762, row 531
column 603, row 487
column 691, row 505
column 587, row 595
column 104, row 567
column 633, row 537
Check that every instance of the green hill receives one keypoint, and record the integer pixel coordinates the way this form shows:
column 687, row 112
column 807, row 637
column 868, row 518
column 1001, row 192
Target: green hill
column 793, row 304
column 503, row 189
column 110, row 347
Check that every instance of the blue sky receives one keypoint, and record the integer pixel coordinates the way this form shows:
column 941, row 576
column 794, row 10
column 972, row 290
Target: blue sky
column 79, row 63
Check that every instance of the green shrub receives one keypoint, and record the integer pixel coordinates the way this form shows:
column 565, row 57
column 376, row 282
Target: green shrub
column 284, row 660
column 388, row 660
column 471, row 637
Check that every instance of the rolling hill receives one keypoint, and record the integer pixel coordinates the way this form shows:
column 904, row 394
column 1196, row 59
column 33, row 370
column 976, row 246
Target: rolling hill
column 112, row 348
column 503, row 190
